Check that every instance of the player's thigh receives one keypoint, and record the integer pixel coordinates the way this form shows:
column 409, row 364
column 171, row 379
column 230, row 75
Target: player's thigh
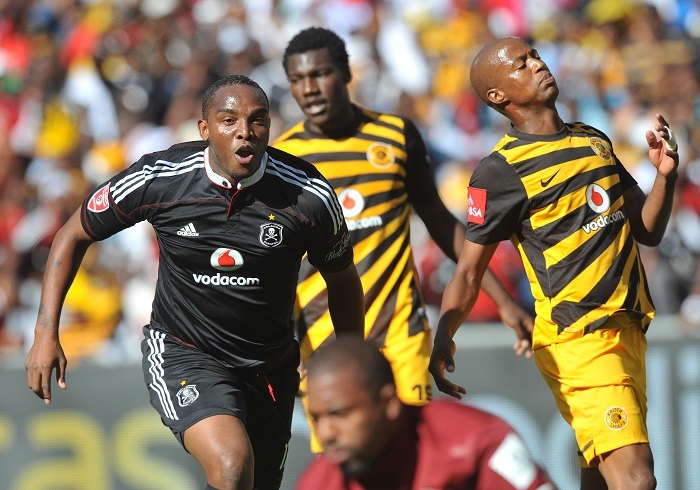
column 599, row 384
column 409, row 358
column 186, row 385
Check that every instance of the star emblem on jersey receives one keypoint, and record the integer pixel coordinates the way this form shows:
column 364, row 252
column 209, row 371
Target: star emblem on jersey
column 601, row 148
column 187, row 230
column 271, row 217
column 187, row 395
column 381, row 155
column 271, row 234
column 616, row 418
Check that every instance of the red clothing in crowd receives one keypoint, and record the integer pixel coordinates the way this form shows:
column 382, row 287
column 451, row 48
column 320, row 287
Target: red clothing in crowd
column 443, row 445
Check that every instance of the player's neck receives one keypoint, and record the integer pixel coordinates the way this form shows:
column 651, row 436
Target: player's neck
column 543, row 121
column 344, row 124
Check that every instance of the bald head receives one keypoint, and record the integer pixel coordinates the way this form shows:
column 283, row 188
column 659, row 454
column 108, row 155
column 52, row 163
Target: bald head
column 485, row 66
column 361, row 358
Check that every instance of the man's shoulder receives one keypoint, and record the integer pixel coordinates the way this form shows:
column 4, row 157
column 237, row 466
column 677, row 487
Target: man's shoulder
column 177, row 153
column 281, row 159
column 446, row 415
column 386, row 118
column 295, row 131
column 579, row 128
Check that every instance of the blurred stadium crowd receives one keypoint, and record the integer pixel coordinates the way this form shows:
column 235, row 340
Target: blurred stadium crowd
column 88, row 86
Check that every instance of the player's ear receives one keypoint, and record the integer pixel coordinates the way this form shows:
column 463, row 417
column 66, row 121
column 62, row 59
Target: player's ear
column 203, row 129
column 495, row 96
column 391, row 401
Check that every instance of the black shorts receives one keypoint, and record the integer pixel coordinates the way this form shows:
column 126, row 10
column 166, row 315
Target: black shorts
column 187, row 385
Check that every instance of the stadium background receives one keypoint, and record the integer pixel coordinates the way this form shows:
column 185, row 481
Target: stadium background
column 87, row 86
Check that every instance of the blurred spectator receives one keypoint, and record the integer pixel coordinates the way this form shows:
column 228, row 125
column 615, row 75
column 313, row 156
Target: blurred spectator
column 86, row 86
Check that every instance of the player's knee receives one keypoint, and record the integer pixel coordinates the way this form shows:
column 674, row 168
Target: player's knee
column 644, row 480
column 230, row 470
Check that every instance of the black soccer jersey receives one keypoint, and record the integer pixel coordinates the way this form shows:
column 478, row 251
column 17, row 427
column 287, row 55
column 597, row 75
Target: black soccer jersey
column 229, row 256
column 559, row 199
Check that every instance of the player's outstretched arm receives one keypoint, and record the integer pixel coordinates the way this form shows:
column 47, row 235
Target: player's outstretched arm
column 457, row 301
column 346, row 301
column 448, row 233
column 46, row 353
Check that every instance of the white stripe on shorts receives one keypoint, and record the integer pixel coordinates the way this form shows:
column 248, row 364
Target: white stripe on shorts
column 155, row 359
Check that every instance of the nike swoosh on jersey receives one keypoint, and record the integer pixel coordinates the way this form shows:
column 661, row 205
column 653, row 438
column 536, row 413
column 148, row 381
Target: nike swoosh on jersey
column 545, row 183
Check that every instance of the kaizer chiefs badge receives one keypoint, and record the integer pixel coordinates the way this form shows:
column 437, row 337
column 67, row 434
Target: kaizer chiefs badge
column 271, row 234
column 601, row 148
column 616, row 418
column 381, row 155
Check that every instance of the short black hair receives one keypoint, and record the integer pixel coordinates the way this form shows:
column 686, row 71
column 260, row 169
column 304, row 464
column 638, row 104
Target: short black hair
column 318, row 38
column 370, row 369
column 223, row 82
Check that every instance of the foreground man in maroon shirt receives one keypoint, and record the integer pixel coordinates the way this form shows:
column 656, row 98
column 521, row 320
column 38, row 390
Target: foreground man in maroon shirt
column 372, row 440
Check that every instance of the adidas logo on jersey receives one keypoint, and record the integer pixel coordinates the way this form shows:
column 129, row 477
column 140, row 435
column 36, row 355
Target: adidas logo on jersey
column 188, row 231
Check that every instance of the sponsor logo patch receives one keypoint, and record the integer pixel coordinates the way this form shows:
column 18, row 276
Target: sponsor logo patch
column 477, row 205
column 100, row 200
column 352, row 202
column 616, row 418
column 380, row 155
column 597, row 198
column 271, row 234
column 226, row 259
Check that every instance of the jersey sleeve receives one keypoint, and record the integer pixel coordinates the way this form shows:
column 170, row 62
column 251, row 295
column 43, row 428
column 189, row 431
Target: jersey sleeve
column 420, row 177
column 329, row 249
column 116, row 204
column 497, row 202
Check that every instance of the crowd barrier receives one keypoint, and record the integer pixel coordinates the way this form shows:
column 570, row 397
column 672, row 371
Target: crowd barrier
column 102, row 434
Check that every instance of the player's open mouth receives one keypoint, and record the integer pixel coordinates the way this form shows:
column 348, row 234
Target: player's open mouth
column 315, row 109
column 244, row 155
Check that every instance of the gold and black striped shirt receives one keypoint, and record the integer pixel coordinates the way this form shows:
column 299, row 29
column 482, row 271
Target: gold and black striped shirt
column 376, row 172
column 559, row 199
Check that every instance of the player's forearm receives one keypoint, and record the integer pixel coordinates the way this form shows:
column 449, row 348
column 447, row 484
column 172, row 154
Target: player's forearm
column 65, row 256
column 346, row 303
column 657, row 208
column 457, row 301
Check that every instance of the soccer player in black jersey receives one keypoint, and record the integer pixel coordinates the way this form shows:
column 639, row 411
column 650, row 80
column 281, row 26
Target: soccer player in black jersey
column 233, row 218
column 560, row 194
column 379, row 166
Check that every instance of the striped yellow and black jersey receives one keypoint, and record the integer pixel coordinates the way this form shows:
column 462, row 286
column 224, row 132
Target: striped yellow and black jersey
column 559, row 199
column 376, row 172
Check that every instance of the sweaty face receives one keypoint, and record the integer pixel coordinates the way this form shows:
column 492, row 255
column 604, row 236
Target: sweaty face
column 238, row 130
column 320, row 88
column 522, row 75
column 350, row 423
